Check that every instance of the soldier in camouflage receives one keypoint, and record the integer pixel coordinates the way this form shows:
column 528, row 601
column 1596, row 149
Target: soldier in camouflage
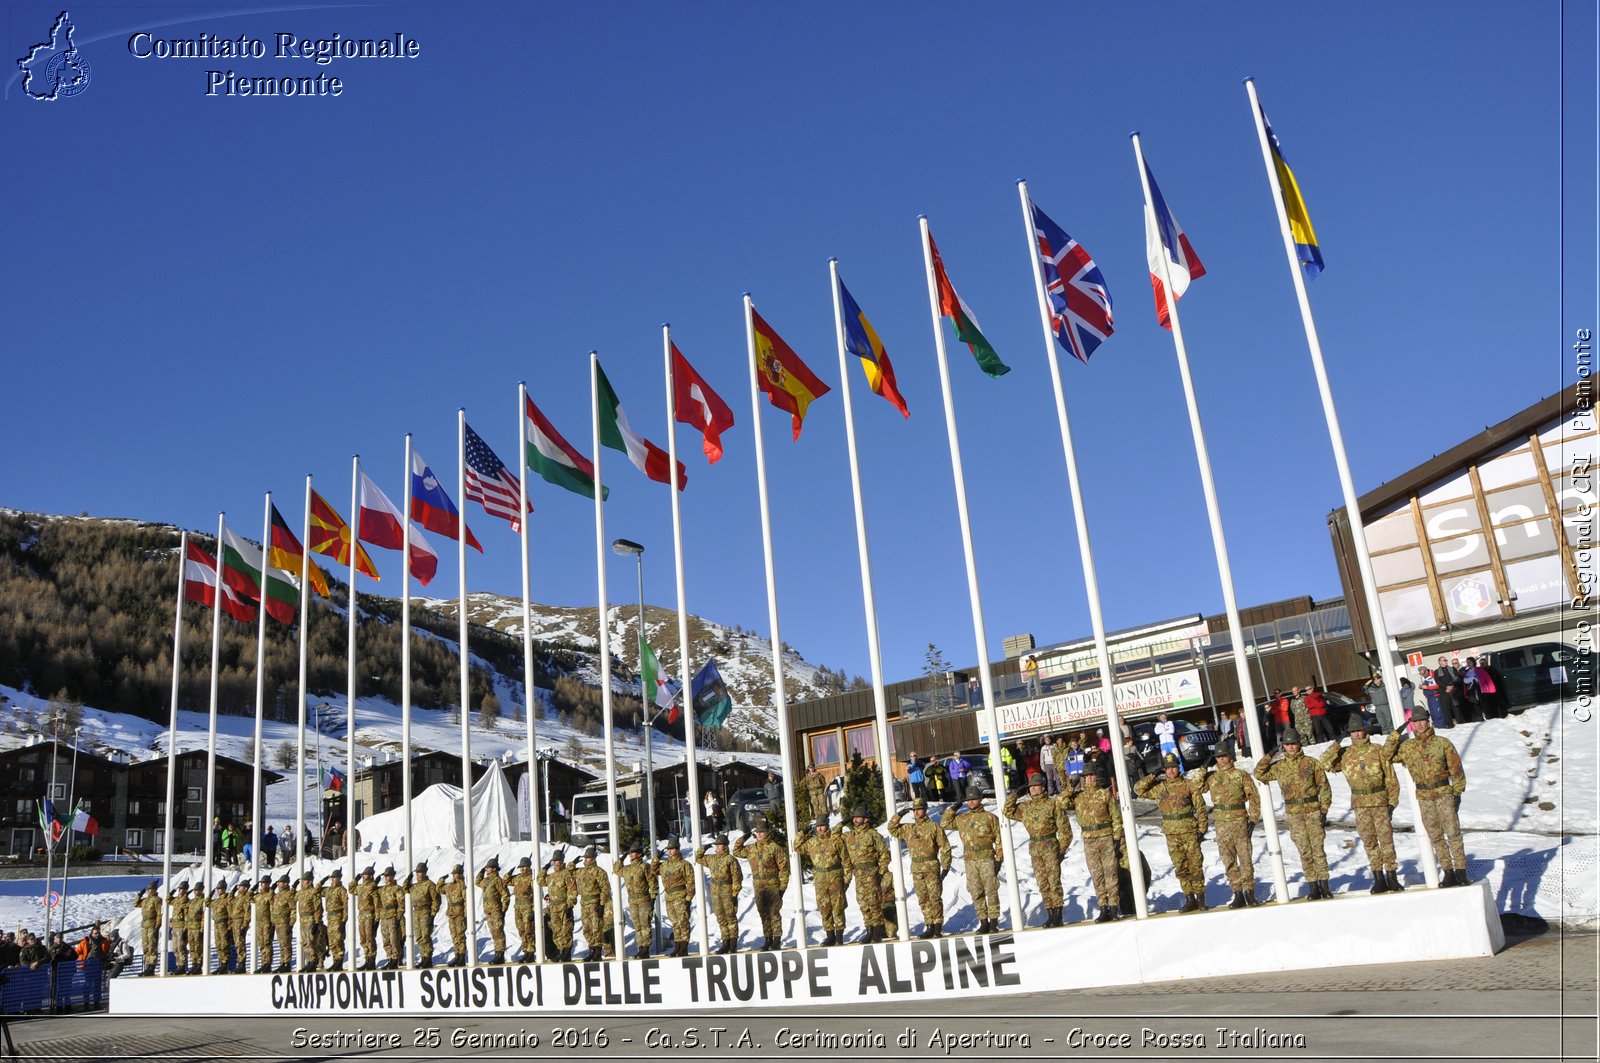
column 424, row 895
column 1183, row 821
column 930, row 862
column 521, row 886
column 1374, row 791
column 1235, row 808
column 817, row 794
column 239, row 912
column 640, row 881
column 560, row 885
column 495, row 899
column 195, row 920
column 336, row 901
column 722, row 867
column 221, row 908
column 283, row 923
column 366, row 895
column 1049, row 834
column 830, row 871
column 391, row 901
column 261, row 899
column 1435, row 769
column 869, row 861
column 454, row 893
column 1306, row 797
column 981, row 855
column 1100, row 823
column 308, row 905
column 676, row 878
column 594, row 902
column 150, row 907
column 769, row 877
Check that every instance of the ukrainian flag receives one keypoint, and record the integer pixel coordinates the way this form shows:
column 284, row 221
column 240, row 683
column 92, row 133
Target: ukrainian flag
column 1305, row 237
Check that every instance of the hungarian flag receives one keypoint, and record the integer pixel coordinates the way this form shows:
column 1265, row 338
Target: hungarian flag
column 553, row 458
column 380, row 526
column 200, row 585
column 789, row 383
column 861, row 340
column 618, row 434
column 1164, row 239
column 84, row 823
column 242, row 569
column 330, row 535
column 698, row 405
column 431, row 506
column 284, row 552
column 960, row 314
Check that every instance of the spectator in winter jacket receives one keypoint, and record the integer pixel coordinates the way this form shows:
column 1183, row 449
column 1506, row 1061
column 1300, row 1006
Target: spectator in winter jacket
column 957, row 766
column 269, row 849
column 915, row 776
column 1317, row 709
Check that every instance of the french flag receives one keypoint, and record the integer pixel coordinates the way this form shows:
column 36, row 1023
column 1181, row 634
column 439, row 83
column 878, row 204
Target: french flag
column 1164, row 239
column 380, row 526
column 431, row 507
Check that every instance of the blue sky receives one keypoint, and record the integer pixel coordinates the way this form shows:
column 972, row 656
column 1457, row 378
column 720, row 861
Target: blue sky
column 210, row 297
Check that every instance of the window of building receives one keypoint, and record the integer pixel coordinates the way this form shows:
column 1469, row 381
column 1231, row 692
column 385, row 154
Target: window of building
column 861, row 740
column 825, row 748
column 1392, row 531
column 192, row 794
column 58, row 792
column 134, row 839
column 1525, row 540
column 1402, row 566
column 191, row 823
column 1538, row 582
column 1407, row 609
column 158, row 840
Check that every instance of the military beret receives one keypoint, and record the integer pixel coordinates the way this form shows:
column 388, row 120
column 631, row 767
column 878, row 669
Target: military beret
column 1356, row 723
column 1035, row 779
column 1290, row 737
column 861, row 813
column 921, row 802
column 1171, row 761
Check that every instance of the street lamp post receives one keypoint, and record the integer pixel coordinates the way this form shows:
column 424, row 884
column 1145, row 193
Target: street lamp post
column 625, row 547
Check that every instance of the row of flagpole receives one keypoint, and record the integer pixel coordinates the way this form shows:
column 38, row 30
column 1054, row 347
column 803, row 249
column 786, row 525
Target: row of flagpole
column 1173, row 266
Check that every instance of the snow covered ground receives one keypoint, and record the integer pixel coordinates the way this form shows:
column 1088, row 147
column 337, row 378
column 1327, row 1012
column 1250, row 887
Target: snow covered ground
column 1539, row 861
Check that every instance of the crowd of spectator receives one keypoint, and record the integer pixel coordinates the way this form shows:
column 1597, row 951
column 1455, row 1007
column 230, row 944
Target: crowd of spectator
column 24, row 949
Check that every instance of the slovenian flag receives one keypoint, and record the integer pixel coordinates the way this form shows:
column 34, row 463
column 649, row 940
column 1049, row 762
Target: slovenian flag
column 431, row 507
column 1164, row 239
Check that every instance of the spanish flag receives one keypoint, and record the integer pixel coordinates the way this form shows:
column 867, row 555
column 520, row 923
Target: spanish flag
column 1305, row 237
column 788, row 382
column 861, row 340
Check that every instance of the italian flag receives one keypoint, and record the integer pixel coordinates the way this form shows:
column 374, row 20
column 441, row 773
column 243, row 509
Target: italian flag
column 961, row 316
column 242, row 567
column 616, row 433
column 656, row 690
column 553, row 458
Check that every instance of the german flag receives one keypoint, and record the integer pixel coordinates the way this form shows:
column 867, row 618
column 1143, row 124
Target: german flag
column 284, row 552
column 330, row 535
column 789, row 383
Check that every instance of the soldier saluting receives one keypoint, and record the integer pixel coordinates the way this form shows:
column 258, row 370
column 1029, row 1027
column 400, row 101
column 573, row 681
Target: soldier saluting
column 1435, row 769
column 1235, row 808
column 560, row 885
column 521, row 886
column 726, row 878
column 1306, row 797
column 676, row 876
column 1183, row 821
column 640, row 880
column 495, row 899
column 830, row 870
column 769, row 875
column 981, row 855
column 1374, row 791
column 1049, row 834
column 930, row 862
column 1100, row 823
column 424, row 895
column 454, row 893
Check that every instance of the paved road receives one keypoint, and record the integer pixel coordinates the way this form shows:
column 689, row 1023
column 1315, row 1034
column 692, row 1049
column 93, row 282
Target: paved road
column 1536, row 1000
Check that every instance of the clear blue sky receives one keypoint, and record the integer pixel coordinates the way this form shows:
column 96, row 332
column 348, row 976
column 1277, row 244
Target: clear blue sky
column 207, row 298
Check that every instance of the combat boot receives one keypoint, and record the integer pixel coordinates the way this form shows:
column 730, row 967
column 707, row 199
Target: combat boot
column 1327, row 893
column 458, row 961
column 1380, row 883
column 681, row 949
column 498, row 957
column 644, row 953
column 1200, row 901
column 1394, row 883
column 1238, row 900
column 1250, row 899
column 1189, row 904
column 1052, row 918
column 1105, row 916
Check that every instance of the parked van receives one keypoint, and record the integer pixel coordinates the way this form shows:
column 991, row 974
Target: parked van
column 1538, row 672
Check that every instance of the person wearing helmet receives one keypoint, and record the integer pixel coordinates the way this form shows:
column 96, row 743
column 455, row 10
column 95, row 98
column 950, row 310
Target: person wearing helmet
column 981, row 854
column 930, row 862
column 722, row 868
column 869, row 860
column 1183, row 822
column 1435, row 769
column 1235, row 808
column 830, row 872
column 1049, row 834
column 1306, row 797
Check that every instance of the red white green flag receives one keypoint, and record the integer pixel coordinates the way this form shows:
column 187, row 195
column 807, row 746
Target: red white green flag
column 242, row 568
column 961, row 316
column 616, row 433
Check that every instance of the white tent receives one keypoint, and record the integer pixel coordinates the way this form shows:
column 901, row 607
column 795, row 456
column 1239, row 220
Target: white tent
column 436, row 818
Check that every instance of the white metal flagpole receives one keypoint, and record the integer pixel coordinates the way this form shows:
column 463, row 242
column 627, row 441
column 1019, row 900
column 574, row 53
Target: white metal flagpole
column 1341, row 461
column 528, row 699
column 405, row 712
column 351, row 937
column 1241, row 664
column 256, row 811
column 466, row 664
column 880, row 701
column 172, row 752
column 985, row 670
column 305, row 626
column 211, row 735
column 685, row 656
column 784, row 736
column 603, row 643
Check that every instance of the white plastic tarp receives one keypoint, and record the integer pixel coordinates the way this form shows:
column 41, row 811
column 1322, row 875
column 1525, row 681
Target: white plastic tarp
column 436, row 818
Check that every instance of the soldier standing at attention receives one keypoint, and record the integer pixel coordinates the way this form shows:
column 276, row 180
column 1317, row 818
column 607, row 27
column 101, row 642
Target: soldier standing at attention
column 594, row 901
column 1374, row 791
column 769, row 874
column 262, row 900
column 337, row 903
column 830, row 870
column 221, row 910
column 640, row 880
column 391, row 902
column 495, row 899
column 424, row 896
column 1235, row 809
column 869, row 859
column 817, row 791
column 1049, row 834
column 676, row 876
column 1435, row 769
column 560, row 885
column 1100, row 823
column 239, row 911
column 150, row 906
column 521, row 886
column 981, row 855
column 723, row 869
column 454, row 893
column 1306, row 797
column 366, row 894
column 1183, row 821
column 930, row 862
column 178, row 920
column 308, row 904
column 283, row 923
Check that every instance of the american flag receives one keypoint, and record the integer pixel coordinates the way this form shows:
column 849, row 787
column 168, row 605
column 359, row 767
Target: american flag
column 490, row 483
column 1080, row 303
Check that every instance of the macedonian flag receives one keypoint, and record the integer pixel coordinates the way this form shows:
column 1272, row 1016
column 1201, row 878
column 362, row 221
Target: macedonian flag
column 788, row 382
column 331, row 535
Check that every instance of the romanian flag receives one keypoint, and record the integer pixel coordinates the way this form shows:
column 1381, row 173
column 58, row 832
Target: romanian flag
column 788, row 381
column 1305, row 237
column 861, row 340
column 961, row 316
column 284, row 552
column 330, row 535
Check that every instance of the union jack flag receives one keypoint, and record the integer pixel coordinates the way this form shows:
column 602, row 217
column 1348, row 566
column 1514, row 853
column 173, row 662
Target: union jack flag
column 490, row 483
column 1080, row 302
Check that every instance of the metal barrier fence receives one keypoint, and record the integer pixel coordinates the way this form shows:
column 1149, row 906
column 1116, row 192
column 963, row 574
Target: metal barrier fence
column 70, row 985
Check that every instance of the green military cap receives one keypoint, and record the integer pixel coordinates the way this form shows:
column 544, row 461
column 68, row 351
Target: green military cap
column 493, row 861
column 1291, row 737
column 337, row 872
column 1224, row 749
column 422, row 868
column 1356, row 723
column 1171, row 761
column 921, row 802
column 588, row 852
column 559, row 856
column 284, row 882
column 388, row 872
column 636, row 847
column 525, row 862
column 722, row 839
column 672, row 845
column 861, row 813
column 1035, row 779
column 1421, row 716
column 458, row 870
column 307, row 877
column 262, row 881
column 366, row 872
column 763, row 824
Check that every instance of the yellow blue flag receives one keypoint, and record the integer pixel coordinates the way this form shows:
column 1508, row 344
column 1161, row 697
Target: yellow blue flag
column 1305, row 237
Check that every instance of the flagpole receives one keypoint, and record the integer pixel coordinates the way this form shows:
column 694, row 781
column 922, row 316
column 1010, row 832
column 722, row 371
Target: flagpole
column 172, row 753
column 466, row 664
column 211, row 736
column 1241, row 664
column 1341, row 461
column 527, row 675
column 985, row 669
column 685, row 658
column 880, row 700
column 261, row 674
column 604, row 643
column 405, row 714
column 305, row 624
column 1091, row 583
column 351, row 927
column 66, row 857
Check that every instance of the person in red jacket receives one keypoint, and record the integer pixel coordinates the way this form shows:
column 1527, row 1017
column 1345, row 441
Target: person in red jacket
column 1280, row 715
column 1317, row 707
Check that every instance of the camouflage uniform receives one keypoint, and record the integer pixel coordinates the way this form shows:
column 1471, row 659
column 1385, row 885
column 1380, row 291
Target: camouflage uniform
column 424, row 895
column 981, row 854
column 178, row 920
column 150, row 923
column 1436, row 772
column 1100, row 823
column 594, row 902
column 454, row 893
column 1049, row 834
column 869, row 859
column 391, row 903
column 769, row 875
column 930, row 862
column 366, row 895
column 830, row 871
column 640, row 880
column 1235, row 808
column 521, row 886
column 261, row 900
column 283, row 923
column 726, row 880
column 337, row 903
column 221, row 908
column 1183, row 821
column 495, row 899
column 1306, row 797
column 195, row 919
column 239, row 911
column 817, row 792
column 1374, row 791
column 677, row 883
column 560, row 885
column 313, row 935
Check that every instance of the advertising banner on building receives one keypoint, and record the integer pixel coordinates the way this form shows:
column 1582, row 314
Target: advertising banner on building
column 1167, row 692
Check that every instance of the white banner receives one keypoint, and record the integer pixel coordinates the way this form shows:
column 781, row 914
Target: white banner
column 1166, row 692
